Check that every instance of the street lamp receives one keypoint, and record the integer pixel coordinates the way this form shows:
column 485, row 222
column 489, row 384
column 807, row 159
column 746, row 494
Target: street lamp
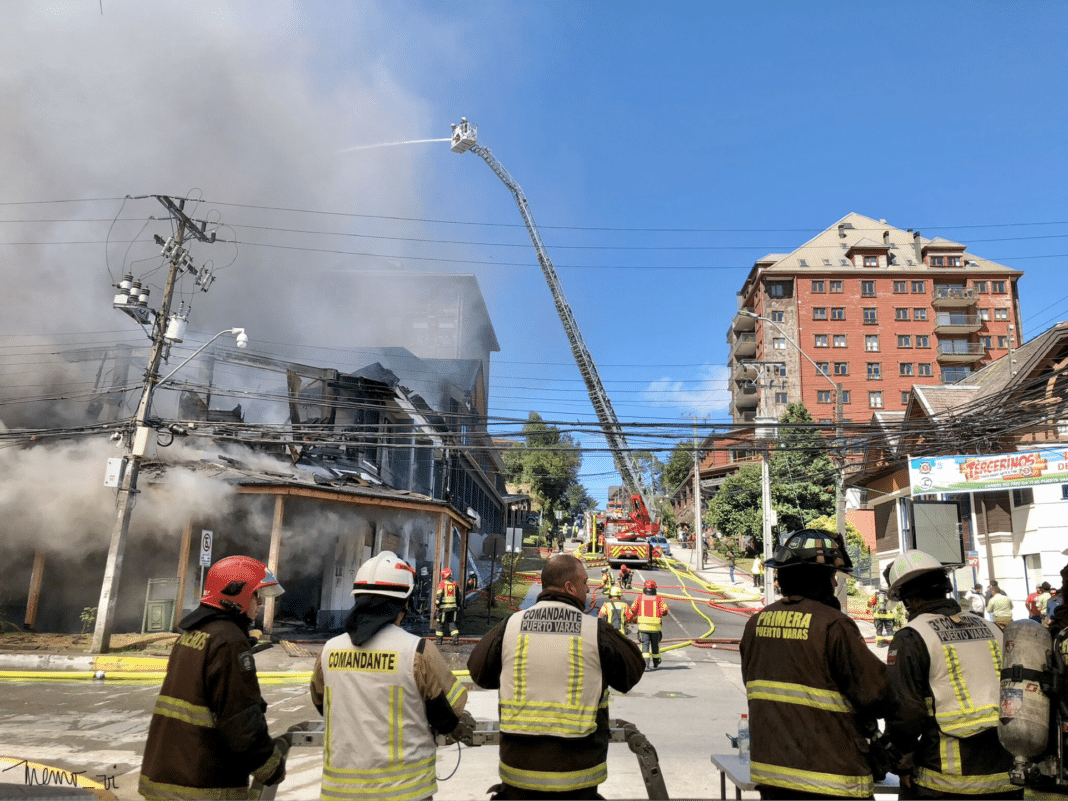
column 840, row 479
column 128, row 486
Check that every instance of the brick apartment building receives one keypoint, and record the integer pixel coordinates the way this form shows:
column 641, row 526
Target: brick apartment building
column 877, row 309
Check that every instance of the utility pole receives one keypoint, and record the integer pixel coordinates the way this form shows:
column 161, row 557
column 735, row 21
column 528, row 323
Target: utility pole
column 697, row 529
column 105, row 614
column 769, row 519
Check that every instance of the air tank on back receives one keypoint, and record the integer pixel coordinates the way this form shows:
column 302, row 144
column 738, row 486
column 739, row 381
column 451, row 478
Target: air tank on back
column 1024, row 724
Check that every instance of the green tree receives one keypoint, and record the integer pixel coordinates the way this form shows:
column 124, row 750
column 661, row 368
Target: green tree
column 652, row 471
column 678, row 467
column 546, row 462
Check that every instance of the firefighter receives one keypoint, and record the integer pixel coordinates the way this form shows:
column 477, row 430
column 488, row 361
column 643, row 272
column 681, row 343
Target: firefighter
column 626, row 576
column 607, row 582
column 944, row 667
column 884, row 620
column 448, row 596
column 813, row 685
column 208, row 733
column 614, row 610
column 647, row 609
column 553, row 666
column 383, row 694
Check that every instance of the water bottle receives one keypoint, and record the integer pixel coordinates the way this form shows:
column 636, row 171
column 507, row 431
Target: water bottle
column 743, row 740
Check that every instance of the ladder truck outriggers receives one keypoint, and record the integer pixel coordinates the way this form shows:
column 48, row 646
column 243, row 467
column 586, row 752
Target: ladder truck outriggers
column 630, row 543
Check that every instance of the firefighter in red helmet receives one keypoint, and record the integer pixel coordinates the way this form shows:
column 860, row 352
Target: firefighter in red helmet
column 208, row 733
column 647, row 609
column 448, row 597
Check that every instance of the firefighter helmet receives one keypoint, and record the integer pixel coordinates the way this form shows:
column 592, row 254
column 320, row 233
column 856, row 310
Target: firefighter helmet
column 446, row 574
column 809, row 546
column 615, row 592
column 906, row 567
column 385, row 574
column 650, row 587
column 231, row 583
column 605, row 569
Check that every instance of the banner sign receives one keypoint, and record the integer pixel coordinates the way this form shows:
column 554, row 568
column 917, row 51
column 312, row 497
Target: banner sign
column 978, row 473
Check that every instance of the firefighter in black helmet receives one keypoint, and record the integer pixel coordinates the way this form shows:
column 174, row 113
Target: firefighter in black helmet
column 807, row 669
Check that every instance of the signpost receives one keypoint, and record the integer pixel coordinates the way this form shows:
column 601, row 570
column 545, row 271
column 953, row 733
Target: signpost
column 205, row 554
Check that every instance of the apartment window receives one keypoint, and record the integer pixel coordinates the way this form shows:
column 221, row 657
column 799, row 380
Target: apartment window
column 778, row 343
column 919, row 314
column 954, row 261
column 819, row 313
column 875, row 400
column 780, row 397
column 901, row 314
column 835, row 287
column 951, row 375
column 871, row 343
column 905, row 368
column 923, row 368
column 871, row 261
column 900, row 287
column 821, row 340
column 875, row 371
column 779, row 370
column 871, row 316
column 778, row 317
column 922, row 341
column 845, row 396
column 917, row 287
column 1001, row 314
column 986, row 342
column 823, row 396
column 867, row 289
column 904, row 341
column 997, row 287
column 817, row 286
column 904, row 398
column 984, row 315
column 822, row 368
column 841, row 368
column 837, row 313
column 1003, row 342
column 938, row 261
column 980, row 287
column 840, row 341
column 780, row 289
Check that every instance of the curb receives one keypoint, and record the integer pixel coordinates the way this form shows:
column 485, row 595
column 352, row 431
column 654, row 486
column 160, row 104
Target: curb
column 62, row 662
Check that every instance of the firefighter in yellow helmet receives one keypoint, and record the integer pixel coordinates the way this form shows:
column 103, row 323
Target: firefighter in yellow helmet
column 945, row 669
column 208, row 733
column 607, row 581
column 813, row 685
column 384, row 693
column 614, row 610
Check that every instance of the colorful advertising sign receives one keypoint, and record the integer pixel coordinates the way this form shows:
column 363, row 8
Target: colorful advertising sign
column 978, row 473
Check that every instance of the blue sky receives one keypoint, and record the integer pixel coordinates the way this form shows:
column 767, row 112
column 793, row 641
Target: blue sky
column 663, row 147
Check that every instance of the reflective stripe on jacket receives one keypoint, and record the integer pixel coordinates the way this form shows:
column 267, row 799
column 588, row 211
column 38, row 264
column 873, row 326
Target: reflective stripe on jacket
column 965, row 671
column 798, row 659
column 615, row 612
column 378, row 743
column 447, row 594
column 647, row 610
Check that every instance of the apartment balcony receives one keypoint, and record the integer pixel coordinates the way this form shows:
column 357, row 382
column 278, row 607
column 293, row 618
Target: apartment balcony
column 957, row 323
column 960, row 352
column 746, row 396
column 745, row 372
column 744, row 346
column 953, row 297
column 743, row 323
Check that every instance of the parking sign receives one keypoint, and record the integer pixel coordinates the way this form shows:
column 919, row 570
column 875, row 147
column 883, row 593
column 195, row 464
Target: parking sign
column 205, row 548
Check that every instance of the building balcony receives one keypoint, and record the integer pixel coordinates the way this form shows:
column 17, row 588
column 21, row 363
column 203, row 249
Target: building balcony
column 960, row 352
column 953, row 297
column 957, row 323
column 743, row 323
column 745, row 372
column 746, row 397
column 744, row 345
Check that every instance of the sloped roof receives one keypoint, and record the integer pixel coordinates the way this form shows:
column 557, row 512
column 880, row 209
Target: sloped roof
column 938, row 399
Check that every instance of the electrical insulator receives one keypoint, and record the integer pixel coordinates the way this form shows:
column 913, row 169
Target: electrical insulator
column 142, row 299
column 135, row 293
column 168, row 247
column 126, row 283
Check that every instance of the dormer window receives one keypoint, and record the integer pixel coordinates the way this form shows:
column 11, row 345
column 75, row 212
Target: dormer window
column 938, row 261
column 954, row 261
column 871, row 261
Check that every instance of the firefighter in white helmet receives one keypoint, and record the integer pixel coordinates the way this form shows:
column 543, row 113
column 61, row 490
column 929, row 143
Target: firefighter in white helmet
column 944, row 667
column 614, row 610
column 383, row 693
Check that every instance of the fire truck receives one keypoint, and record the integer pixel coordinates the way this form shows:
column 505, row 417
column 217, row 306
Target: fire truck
column 626, row 535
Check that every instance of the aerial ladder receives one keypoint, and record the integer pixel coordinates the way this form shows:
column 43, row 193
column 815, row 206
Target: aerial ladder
column 464, row 138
